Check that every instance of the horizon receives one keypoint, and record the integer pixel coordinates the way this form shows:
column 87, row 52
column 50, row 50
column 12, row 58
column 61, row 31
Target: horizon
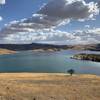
column 48, row 44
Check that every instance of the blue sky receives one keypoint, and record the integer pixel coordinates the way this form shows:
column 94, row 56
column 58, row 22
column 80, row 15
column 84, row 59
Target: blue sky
column 15, row 10
column 19, row 9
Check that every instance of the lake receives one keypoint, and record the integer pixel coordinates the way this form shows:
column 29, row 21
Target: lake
column 48, row 62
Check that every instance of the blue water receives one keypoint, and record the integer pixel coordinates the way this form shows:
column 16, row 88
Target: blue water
column 51, row 62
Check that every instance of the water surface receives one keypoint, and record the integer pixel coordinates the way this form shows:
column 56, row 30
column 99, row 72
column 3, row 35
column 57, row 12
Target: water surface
column 48, row 62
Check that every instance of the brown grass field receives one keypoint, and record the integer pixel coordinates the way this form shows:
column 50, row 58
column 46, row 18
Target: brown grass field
column 5, row 51
column 28, row 86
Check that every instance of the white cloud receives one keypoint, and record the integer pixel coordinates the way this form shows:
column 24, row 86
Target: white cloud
column 40, row 36
column 87, row 26
column 2, row 1
column 56, row 37
column 1, row 18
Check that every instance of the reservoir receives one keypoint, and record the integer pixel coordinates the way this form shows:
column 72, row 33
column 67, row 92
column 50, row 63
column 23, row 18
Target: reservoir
column 48, row 62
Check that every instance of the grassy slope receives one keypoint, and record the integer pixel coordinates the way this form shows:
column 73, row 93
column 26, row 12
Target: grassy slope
column 49, row 87
column 5, row 51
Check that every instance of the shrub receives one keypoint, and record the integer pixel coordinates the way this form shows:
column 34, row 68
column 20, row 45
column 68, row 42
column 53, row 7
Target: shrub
column 71, row 71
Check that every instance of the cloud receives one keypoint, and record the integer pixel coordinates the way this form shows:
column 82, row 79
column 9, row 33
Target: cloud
column 99, row 4
column 69, row 9
column 56, row 37
column 87, row 26
column 40, row 36
column 53, row 14
column 89, row 35
column 2, row 1
column 1, row 18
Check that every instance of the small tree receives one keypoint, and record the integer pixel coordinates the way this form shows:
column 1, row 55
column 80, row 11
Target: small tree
column 71, row 71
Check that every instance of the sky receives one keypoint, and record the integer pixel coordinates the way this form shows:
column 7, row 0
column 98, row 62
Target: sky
column 50, row 21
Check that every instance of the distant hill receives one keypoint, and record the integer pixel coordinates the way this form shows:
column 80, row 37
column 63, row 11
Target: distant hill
column 6, row 51
column 91, row 47
column 34, row 46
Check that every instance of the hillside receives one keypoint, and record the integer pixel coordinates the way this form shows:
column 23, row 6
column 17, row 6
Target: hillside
column 33, row 46
column 92, row 47
column 37, row 46
column 5, row 51
column 25, row 86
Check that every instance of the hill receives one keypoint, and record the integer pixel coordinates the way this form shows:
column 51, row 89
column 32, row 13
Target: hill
column 25, row 86
column 91, row 47
column 6, row 51
column 35, row 46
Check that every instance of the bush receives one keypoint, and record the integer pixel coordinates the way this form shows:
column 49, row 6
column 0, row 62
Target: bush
column 71, row 71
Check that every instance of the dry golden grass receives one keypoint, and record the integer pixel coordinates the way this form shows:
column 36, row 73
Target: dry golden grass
column 5, row 51
column 28, row 86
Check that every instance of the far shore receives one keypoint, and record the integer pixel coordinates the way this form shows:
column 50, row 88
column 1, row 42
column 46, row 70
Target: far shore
column 6, row 51
column 47, row 86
